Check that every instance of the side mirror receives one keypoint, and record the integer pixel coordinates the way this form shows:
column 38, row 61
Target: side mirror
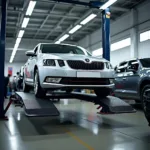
column 30, row 53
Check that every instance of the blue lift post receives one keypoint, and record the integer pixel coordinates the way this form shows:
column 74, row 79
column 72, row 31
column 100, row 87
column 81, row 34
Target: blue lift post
column 106, row 33
column 2, row 56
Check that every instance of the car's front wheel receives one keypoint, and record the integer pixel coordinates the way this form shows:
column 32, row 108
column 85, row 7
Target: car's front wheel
column 102, row 92
column 26, row 88
column 145, row 97
column 38, row 91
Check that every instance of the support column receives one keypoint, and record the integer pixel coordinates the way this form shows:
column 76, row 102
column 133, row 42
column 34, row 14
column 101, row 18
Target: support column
column 106, row 33
column 134, row 35
column 2, row 55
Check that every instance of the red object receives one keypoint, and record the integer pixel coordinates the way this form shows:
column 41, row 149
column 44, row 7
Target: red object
column 10, row 70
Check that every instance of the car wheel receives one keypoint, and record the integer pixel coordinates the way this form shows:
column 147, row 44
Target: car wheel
column 26, row 88
column 102, row 92
column 145, row 97
column 69, row 91
column 38, row 91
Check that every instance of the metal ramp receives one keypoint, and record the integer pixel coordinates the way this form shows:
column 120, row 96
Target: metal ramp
column 109, row 104
column 35, row 107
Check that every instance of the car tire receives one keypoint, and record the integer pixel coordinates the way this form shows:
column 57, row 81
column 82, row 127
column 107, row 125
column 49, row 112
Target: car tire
column 145, row 97
column 38, row 91
column 69, row 91
column 102, row 92
column 26, row 88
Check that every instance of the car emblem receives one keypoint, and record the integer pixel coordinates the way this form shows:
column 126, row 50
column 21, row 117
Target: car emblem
column 87, row 60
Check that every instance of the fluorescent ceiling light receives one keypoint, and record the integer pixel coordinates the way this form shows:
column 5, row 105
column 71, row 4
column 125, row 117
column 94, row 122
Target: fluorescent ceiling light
column 21, row 32
column 89, row 18
column 11, row 59
column 77, row 27
column 64, row 37
column 57, row 42
column 18, row 41
column 25, row 22
column 107, row 4
column 30, row 8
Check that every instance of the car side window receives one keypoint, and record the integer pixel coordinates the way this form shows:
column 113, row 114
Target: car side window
column 134, row 64
column 36, row 50
column 122, row 67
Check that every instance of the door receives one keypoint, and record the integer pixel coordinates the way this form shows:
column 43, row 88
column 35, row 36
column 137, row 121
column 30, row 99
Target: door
column 120, row 80
column 132, row 79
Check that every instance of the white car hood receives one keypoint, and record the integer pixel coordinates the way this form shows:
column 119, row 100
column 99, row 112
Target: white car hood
column 71, row 57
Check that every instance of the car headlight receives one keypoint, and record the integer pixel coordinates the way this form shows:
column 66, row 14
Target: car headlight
column 108, row 65
column 61, row 63
column 49, row 62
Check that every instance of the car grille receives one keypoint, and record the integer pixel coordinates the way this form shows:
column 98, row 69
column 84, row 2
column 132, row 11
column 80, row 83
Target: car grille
column 84, row 81
column 85, row 66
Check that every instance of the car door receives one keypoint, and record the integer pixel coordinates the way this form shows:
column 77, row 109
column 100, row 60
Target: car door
column 132, row 79
column 120, row 80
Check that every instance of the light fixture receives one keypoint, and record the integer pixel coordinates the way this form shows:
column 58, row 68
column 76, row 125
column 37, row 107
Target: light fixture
column 25, row 22
column 11, row 59
column 21, row 32
column 24, row 25
column 57, row 42
column 87, row 19
column 30, row 8
column 107, row 4
column 18, row 41
column 77, row 27
column 64, row 37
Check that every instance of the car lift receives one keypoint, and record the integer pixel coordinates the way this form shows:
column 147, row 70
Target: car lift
column 44, row 107
column 36, row 107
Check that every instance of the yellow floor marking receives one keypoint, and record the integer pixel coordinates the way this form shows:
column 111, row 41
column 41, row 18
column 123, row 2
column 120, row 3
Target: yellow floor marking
column 80, row 141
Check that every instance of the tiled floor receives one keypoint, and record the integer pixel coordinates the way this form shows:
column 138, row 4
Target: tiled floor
column 79, row 127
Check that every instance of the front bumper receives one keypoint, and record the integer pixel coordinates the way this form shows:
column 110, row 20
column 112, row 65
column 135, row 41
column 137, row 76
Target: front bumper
column 57, row 86
column 66, row 72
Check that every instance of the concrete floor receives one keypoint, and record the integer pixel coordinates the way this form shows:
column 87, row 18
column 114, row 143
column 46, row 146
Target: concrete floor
column 79, row 127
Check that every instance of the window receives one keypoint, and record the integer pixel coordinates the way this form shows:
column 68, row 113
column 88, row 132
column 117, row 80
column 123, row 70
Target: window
column 115, row 46
column 61, row 49
column 145, row 36
column 97, row 52
column 133, row 64
column 121, row 44
column 122, row 67
column 145, row 62
column 36, row 50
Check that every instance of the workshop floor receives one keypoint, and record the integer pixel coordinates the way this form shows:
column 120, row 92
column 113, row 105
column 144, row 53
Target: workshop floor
column 79, row 127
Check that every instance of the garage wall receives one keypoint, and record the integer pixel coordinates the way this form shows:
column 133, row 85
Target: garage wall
column 16, row 67
column 122, row 28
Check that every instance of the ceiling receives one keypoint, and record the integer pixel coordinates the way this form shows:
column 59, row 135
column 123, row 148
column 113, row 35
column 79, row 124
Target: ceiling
column 50, row 20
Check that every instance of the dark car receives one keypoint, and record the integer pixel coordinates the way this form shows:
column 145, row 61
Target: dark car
column 132, row 81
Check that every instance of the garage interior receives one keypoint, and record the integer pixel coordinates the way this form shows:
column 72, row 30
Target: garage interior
column 78, row 124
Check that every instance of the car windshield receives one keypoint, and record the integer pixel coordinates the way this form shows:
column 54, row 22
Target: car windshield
column 61, row 49
column 145, row 62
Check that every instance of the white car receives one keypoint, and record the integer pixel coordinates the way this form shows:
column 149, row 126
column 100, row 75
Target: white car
column 67, row 67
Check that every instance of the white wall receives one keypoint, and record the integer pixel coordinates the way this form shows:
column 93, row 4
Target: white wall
column 122, row 28
column 16, row 67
